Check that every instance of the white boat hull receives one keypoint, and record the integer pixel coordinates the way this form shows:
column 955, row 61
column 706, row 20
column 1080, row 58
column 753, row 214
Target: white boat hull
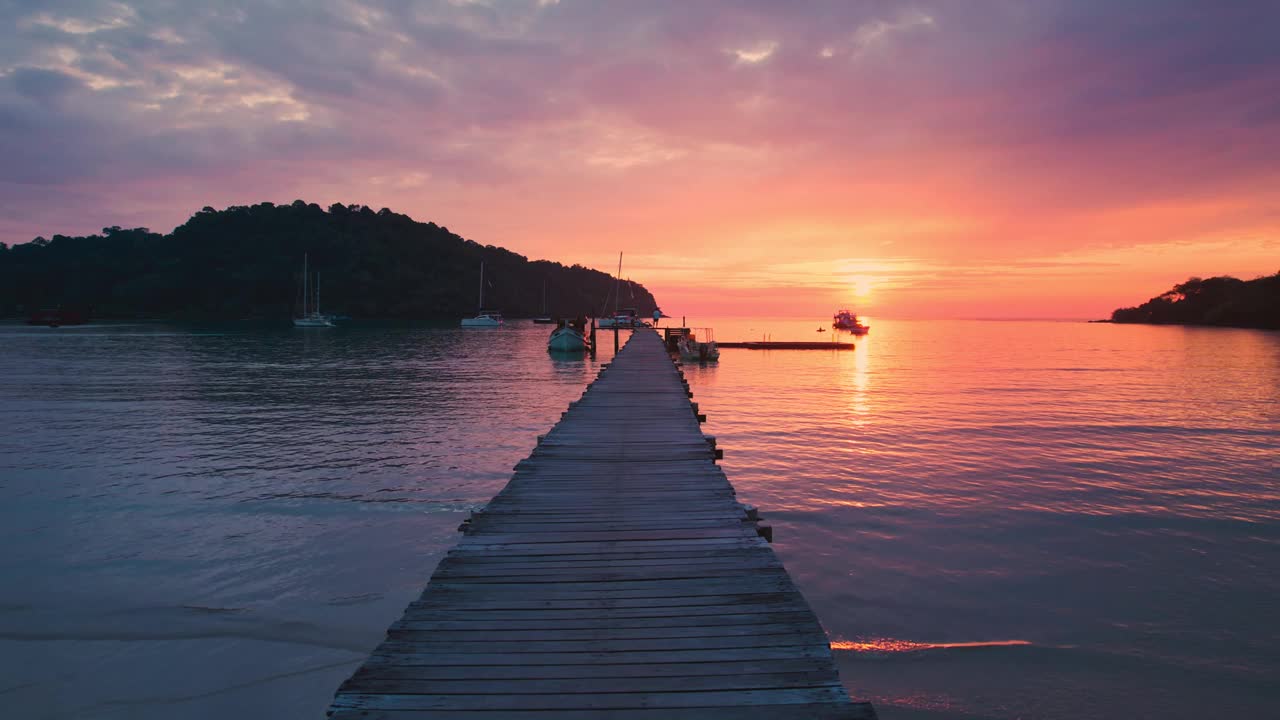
column 695, row 351
column 566, row 340
column 312, row 322
column 481, row 322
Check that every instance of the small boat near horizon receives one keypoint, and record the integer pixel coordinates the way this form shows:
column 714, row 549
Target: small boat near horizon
column 57, row 317
column 846, row 320
column 484, row 318
column 544, row 318
column 312, row 319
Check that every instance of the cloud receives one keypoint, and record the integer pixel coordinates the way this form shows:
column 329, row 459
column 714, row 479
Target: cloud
column 950, row 131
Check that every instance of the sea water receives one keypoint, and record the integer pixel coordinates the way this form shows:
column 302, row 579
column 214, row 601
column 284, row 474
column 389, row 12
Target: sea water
column 991, row 519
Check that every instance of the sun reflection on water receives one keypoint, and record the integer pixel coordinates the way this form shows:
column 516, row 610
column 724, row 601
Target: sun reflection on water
column 886, row 646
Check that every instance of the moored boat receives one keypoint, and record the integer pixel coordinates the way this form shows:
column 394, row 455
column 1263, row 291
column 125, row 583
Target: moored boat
column 566, row 338
column 311, row 318
column 544, row 318
column 694, row 348
column 484, row 318
column 627, row 318
column 846, row 320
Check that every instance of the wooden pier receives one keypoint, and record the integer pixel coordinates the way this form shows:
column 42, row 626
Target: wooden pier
column 616, row 576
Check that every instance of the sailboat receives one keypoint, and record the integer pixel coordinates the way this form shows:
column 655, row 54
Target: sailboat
column 544, row 318
column 311, row 319
column 627, row 318
column 483, row 318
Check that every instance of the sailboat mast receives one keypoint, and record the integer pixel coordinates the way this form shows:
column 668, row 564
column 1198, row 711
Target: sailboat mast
column 481, row 308
column 317, row 293
column 617, row 293
column 304, row 285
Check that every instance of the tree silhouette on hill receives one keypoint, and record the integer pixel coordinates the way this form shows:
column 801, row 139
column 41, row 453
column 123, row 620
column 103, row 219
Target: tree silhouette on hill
column 245, row 261
column 1225, row 301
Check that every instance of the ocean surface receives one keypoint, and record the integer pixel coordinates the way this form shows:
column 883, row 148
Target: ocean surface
column 993, row 520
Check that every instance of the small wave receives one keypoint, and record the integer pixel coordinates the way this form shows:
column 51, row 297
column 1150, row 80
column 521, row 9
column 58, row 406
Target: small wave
column 176, row 699
column 355, row 599
column 184, row 622
column 212, row 610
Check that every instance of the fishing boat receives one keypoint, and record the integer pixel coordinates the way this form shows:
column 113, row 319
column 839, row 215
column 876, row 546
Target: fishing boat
column 697, row 344
column 566, row 338
column 484, row 318
column 544, row 318
column 312, row 318
column 846, row 320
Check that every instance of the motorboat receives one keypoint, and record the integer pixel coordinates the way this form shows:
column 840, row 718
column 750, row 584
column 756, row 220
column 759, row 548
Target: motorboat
column 628, row 318
column 566, row 338
column 311, row 318
column 846, row 320
column 695, row 348
column 484, row 318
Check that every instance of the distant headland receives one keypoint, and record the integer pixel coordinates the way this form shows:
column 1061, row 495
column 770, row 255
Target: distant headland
column 1222, row 301
column 246, row 262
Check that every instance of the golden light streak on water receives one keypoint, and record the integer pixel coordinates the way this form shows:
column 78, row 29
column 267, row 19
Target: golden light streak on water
column 897, row 645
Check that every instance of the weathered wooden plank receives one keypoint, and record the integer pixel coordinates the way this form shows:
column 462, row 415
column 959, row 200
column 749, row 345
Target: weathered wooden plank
column 435, row 621
column 622, row 575
column 411, row 641
column 665, row 670
column 824, row 711
column 434, row 598
column 577, row 685
column 446, row 609
column 387, row 654
column 614, row 576
column 600, row 701
column 596, row 570
column 405, row 633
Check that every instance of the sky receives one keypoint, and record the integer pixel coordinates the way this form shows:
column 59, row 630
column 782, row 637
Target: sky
column 955, row 158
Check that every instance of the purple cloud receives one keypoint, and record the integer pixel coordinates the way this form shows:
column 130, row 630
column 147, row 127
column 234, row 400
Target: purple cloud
column 1062, row 104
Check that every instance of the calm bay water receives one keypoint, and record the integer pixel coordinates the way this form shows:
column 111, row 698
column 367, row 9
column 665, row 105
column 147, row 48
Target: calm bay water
column 992, row 519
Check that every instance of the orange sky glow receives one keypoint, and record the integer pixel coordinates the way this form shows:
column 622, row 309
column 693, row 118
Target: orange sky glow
column 1046, row 160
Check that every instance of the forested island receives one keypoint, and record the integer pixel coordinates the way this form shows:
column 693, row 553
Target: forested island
column 1224, row 301
column 246, row 262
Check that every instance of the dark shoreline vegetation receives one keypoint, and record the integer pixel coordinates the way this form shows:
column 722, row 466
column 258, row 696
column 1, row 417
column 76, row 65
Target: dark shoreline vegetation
column 1222, row 301
column 245, row 262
